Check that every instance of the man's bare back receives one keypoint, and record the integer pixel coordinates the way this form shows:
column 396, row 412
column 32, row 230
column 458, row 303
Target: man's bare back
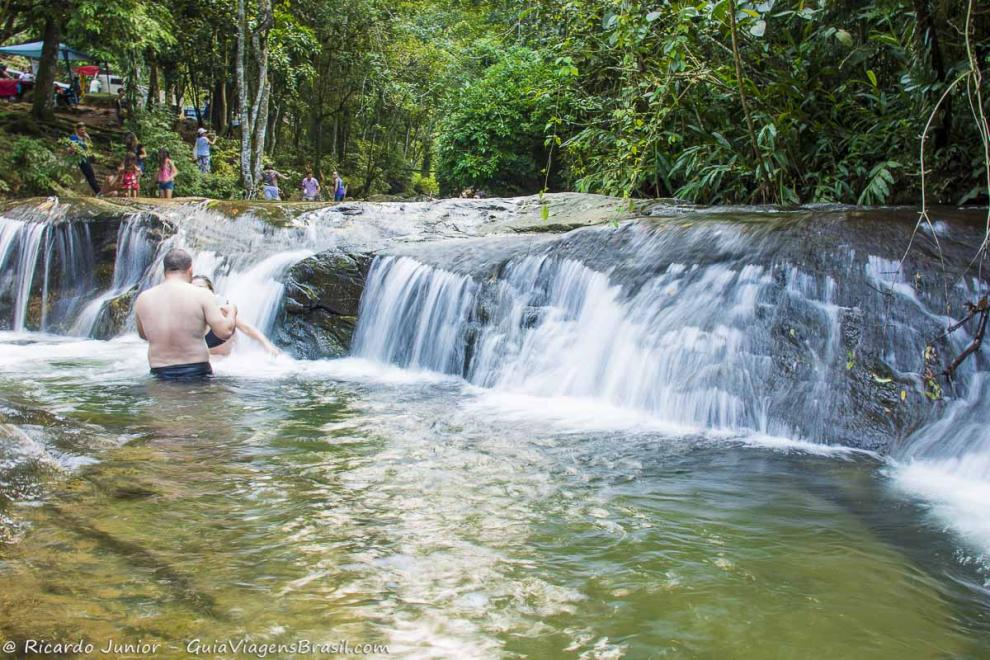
column 173, row 317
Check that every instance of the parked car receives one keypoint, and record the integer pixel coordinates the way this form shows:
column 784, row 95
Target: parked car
column 109, row 83
column 190, row 112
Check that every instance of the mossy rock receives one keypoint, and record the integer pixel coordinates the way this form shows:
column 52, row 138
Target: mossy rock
column 320, row 306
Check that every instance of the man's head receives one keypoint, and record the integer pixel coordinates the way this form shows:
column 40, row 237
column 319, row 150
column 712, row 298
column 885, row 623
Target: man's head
column 201, row 131
column 80, row 128
column 178, row 263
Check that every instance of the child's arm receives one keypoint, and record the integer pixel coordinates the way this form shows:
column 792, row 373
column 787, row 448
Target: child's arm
column 257, row 335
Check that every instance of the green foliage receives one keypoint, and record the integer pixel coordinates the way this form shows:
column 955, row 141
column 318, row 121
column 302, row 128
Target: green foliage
column 653, row 104
column 30, row 166
column 491, row 135
column 425, row 185
column 156, row 131
column 622, row 97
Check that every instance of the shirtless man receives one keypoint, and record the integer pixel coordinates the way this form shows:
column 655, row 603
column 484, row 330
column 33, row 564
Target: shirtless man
column 173, row 318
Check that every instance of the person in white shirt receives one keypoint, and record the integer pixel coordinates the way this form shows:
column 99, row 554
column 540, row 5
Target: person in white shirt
column 202, row 151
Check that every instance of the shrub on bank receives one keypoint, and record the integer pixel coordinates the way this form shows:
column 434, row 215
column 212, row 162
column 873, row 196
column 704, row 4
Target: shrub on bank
column 29, row 166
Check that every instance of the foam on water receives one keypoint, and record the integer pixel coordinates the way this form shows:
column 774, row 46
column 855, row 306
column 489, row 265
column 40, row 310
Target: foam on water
column 958, row 501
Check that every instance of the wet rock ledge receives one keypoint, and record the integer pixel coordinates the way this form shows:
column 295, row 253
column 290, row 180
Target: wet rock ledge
column 320, row 306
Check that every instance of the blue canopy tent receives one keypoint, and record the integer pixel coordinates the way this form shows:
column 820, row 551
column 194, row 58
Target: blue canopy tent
column 32, row 51
column 67, row 54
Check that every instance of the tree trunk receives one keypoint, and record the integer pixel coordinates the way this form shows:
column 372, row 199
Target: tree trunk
column 44, row 99
column 247, row 173
column 427, row 166
column 261, row 126
column 153, row 87
column 218, row 107
column 254, row 118
column 8, row 25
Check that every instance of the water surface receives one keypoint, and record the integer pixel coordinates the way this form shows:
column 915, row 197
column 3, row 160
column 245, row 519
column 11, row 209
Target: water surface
column 353, row 500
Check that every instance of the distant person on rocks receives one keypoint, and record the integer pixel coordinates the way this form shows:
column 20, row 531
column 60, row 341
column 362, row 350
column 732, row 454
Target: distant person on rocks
column 174, row 316
column 269, row 181
column 130, row 176
column 136, row 148
column 202, row 150
column 310, row 187
column 82, row 146
column 166, row 174
column 223, row 347
column 339, row 189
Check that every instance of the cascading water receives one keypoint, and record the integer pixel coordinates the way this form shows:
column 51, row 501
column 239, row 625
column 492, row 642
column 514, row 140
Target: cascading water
column 60, row 255
column 714, row 327
column 690, row 344
column 20, row 244
column 135, row 251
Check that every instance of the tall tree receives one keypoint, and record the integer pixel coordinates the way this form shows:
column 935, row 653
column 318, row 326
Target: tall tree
column 254, row 106
column 53, row 15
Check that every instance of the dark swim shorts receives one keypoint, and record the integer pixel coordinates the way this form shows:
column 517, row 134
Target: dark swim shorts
column 193, row 371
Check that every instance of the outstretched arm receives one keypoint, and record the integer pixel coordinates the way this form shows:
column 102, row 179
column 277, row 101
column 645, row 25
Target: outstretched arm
column 258, row 336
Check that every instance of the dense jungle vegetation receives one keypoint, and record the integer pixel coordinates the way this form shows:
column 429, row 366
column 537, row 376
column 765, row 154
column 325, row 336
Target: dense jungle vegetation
column 722, row 101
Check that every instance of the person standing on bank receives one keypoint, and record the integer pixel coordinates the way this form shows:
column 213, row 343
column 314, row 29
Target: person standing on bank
column 310, row 187
column 269, row 181
column 173, row 318
column 339, row 189
column 166, row 174
column 82, row 145
column 202, row 150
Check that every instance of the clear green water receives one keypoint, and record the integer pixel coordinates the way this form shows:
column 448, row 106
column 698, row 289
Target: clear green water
column 331, row 501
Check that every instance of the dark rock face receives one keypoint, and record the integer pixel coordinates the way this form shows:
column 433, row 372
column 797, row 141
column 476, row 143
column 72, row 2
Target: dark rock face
column 113, row 317
column 320, row 306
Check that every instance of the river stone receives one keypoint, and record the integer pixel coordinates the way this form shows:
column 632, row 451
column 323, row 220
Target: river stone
column 320, row 306
column 112, row 320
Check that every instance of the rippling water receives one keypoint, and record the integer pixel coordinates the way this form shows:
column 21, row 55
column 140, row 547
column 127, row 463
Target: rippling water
column 350, row 500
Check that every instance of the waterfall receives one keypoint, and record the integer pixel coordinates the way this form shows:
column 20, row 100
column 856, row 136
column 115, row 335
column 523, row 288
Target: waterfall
column 53, row 264
column 691, row 345
column 413, row 315
column 714, row 326
column 23, row 241
column 135, row 252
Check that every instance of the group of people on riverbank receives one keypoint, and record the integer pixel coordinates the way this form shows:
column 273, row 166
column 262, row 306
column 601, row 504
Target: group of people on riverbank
column 310, row 186
column 185, row 325
column 127, row 179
